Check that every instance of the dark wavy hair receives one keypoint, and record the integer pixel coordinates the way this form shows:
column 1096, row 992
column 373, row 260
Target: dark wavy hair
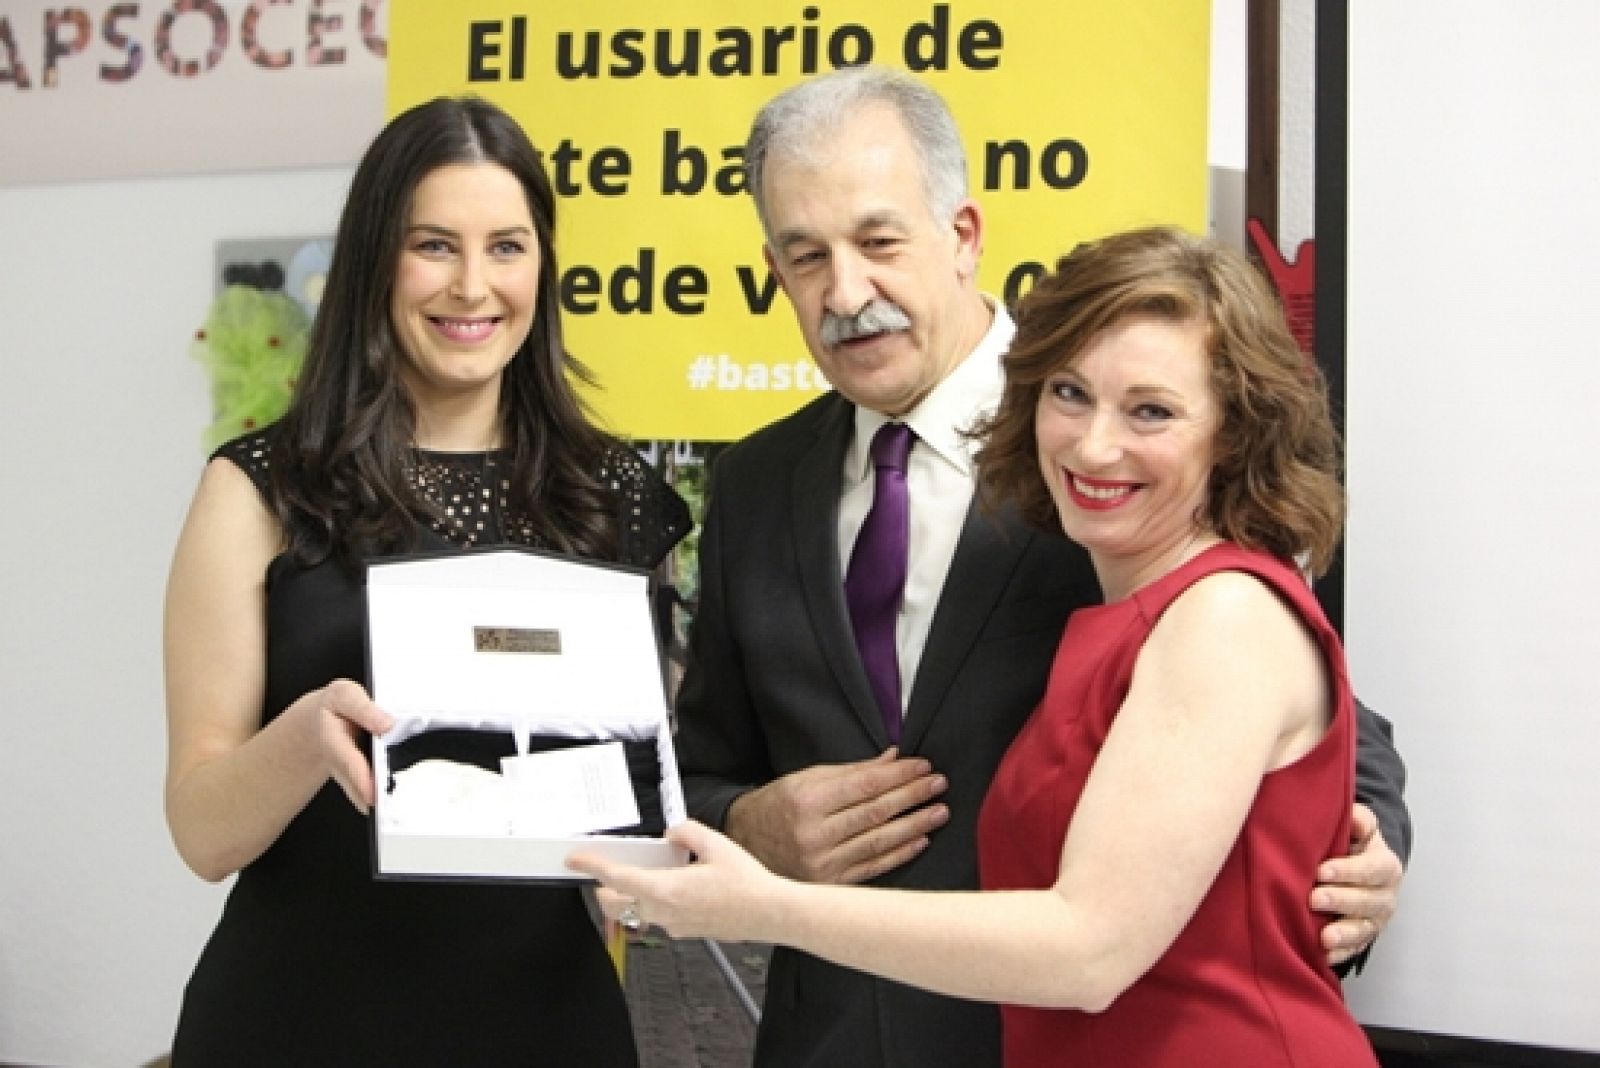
column 1274, row 484
column 341, row 486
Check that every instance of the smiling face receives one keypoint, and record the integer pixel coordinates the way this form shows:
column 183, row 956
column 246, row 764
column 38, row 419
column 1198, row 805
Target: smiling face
column 883, row 291
column 465, row 287
column 1125, row 434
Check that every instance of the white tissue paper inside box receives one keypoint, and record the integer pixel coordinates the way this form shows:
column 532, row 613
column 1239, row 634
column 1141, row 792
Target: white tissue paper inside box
column 521, row 646
column 582, row 790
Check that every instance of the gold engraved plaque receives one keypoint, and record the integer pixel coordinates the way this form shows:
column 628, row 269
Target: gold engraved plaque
column 516, row 640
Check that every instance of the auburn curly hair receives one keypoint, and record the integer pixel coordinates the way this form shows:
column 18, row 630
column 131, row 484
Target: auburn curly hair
column 1275, row 483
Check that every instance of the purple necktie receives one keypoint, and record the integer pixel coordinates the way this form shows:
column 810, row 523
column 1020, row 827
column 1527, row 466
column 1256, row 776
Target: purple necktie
column 876, row 578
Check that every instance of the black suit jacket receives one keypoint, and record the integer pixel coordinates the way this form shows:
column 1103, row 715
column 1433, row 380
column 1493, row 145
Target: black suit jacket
column 774, row 684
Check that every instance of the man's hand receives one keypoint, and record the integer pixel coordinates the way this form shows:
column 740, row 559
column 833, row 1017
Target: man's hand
column 841, row 823
column 1362, row 889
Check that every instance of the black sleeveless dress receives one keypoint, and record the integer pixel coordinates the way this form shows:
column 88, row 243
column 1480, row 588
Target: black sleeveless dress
column 313, row 961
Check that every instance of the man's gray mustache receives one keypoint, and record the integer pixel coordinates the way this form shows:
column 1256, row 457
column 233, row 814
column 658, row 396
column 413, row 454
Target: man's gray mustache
column 878, row 317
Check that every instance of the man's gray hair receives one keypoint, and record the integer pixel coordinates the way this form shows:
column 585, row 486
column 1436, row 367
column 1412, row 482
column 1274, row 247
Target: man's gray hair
column 795, row 124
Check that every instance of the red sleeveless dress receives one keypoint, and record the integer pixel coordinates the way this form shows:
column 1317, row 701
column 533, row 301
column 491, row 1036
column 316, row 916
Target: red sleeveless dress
column 1246, row 984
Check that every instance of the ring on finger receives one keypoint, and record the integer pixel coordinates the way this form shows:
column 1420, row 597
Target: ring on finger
column 631, row 919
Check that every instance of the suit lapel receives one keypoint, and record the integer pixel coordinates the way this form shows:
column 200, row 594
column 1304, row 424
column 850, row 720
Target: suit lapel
column 985, row 557
column 815, row 525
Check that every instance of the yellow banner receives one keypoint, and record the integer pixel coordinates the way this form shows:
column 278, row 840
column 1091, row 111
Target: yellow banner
column 1080, row 118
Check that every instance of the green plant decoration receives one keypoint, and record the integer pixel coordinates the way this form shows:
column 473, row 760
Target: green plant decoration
column 252, row 343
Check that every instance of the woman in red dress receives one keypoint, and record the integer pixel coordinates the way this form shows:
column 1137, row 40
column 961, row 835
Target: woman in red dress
column 1149, row 845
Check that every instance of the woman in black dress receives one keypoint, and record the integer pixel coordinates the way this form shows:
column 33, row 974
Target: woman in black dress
column 434, row 410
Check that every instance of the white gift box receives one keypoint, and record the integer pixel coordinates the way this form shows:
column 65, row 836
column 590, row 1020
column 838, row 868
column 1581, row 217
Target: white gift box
column 547, row 660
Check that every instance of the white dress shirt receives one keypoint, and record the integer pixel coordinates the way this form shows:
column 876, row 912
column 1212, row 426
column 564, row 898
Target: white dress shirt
column 939, row 479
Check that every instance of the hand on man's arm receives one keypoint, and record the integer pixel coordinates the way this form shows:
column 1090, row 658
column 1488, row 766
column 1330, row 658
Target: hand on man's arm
column 1361, row 890
column 841, row 823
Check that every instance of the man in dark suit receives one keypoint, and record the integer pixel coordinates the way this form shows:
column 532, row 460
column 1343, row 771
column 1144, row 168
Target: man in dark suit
column 782, row 741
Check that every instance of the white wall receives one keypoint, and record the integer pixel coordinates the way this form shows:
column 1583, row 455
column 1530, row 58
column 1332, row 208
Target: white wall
column 1297, row 123
column 1226, row 138
column 1474, row 535
column 101, row 410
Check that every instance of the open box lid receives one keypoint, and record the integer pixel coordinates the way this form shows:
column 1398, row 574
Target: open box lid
column 522, row 643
